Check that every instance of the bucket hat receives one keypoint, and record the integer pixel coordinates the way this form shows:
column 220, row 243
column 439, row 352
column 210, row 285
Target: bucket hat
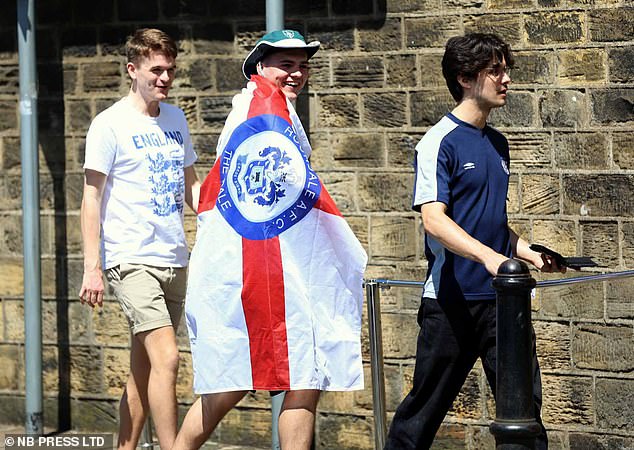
column 273, row 41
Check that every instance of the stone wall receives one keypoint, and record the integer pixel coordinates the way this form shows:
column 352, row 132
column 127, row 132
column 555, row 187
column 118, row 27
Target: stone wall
column 375, row 89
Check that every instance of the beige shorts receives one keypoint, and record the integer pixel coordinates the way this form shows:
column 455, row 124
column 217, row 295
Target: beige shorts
column 150, row 297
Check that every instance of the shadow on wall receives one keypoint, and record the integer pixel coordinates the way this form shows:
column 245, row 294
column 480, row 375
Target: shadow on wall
column 78, row 46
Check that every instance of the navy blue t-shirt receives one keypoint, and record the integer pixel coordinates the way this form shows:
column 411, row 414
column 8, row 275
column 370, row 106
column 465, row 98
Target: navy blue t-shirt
column 467, row 169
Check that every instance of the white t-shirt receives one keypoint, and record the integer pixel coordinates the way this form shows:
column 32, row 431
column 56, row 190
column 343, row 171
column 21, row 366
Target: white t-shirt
column 144, row 196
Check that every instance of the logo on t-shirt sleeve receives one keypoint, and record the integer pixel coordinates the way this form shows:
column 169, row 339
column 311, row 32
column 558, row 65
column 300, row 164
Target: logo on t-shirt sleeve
column 505, row 166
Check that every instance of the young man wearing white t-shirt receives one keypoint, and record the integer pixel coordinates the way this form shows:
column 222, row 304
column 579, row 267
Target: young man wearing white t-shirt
column 138, row 175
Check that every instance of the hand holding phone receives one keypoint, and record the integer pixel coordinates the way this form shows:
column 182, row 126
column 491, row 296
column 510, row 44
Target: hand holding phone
column 574, row 262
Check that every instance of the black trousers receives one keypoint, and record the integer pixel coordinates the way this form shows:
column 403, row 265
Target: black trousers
column 453, row 335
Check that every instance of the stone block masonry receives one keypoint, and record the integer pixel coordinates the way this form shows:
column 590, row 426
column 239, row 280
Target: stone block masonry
column 376, row 87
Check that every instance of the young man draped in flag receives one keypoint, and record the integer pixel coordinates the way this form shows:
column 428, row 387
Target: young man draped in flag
column 275, row 284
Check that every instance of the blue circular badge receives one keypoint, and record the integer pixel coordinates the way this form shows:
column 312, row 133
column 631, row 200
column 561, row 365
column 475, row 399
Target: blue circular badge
column 267, row 185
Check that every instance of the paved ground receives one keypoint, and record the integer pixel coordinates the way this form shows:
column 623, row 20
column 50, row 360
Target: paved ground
column 13, row 429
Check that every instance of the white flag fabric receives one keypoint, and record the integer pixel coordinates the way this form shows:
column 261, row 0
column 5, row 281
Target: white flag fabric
column 274, row 297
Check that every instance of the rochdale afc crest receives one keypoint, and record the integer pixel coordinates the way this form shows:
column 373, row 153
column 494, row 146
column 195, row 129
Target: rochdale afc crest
column 267, row 185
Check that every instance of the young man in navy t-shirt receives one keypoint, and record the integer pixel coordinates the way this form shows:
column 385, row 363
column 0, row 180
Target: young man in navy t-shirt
column 462, row 174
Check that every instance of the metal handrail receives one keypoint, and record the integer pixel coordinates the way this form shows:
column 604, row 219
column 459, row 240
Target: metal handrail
column 586, row 279
column 540, row 284
column 376, row 342
column 376, row 362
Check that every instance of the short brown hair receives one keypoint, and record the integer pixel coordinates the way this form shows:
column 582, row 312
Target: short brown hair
column 146, row 40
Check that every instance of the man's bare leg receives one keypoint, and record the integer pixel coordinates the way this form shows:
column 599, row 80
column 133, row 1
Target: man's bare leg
column 297, row 419
column 203, row 417
column 162, row 353
column 133, row 407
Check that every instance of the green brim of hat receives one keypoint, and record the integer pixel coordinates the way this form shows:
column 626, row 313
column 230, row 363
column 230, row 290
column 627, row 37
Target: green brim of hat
column 264, row 47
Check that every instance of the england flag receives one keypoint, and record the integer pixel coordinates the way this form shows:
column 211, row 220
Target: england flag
column 274, row 297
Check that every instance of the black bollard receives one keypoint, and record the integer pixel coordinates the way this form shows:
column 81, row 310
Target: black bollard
column 515, row 427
